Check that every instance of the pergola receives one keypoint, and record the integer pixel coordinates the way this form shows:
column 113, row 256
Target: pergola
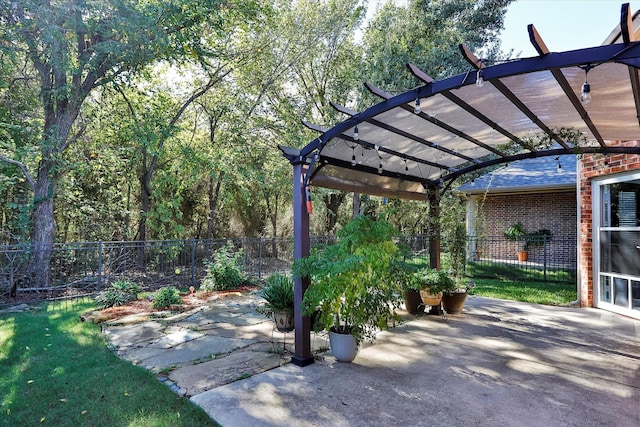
column 411, row 145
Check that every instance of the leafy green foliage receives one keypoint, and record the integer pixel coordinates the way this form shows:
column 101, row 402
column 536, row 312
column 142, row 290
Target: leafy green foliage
column 165, row 297
column 530, row 239
column 436, row 280
column 225, row 271
column 351, row 281
column 119, row 293
column 278, row 292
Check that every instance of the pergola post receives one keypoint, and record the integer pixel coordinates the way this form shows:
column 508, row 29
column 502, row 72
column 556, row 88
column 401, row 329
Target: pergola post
column 433, row 196
column 301, row 246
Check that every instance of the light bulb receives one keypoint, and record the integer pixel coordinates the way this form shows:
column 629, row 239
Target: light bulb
column 380, row 168
column 479, row 79
column 417, row 108
column 586, row 93
column 356, row 134
column 353, row 160
column 559, row 168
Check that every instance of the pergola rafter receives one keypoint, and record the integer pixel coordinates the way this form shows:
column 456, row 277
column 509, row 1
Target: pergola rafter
column 523, row 97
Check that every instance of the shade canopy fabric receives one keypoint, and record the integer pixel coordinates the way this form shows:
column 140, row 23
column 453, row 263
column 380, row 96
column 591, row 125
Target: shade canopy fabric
column 393, row 149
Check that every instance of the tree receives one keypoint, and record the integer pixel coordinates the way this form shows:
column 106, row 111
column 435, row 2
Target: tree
column 427, row 33
column 76, row 46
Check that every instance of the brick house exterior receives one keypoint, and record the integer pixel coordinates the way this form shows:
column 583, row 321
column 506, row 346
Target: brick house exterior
column 553, row 210
column 534, row 192
column 593, row 167
column 589, row 212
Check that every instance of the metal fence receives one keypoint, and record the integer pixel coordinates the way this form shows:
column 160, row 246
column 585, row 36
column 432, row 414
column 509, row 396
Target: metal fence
column 543, row 258
column 83, row 268
column 76, row 269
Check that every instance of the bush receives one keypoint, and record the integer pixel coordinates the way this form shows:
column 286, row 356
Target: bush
column 278, row 292
column 166, row 297
column 119, row 293
column 225, row 271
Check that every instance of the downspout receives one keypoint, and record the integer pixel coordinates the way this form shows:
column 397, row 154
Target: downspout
column 578, row 234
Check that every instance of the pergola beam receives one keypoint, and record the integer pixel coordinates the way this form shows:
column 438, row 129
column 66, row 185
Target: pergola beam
column 403, row 133
column 428, row 79
column 626, row 30
column 507, row 93
column 371, row 146
column 542, row 49
column 486, row 120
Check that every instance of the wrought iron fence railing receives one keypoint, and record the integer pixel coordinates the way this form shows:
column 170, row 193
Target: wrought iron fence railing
column 76, row 269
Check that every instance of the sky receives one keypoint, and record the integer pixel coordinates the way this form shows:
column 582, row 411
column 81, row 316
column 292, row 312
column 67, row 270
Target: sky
column 562, row 24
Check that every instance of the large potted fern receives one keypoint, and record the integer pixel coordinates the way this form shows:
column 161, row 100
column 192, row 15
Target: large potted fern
column 352, row 284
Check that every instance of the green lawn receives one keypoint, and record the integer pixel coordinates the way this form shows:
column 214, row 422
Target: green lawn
column 550, row 293
column 57, row 370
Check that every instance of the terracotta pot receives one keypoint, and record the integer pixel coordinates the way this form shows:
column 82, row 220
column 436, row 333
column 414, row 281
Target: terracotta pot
column 343, row 346
column 429, row 298
column 522, row 256
column 284, row 321
column 413, row 302
column 453, row 303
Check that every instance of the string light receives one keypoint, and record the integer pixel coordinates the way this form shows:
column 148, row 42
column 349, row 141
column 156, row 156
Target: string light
column 353, row 156
column 479, row 78
column 406, row 167
column 559, row 164
column 356, row 134
column 586, row 87
column 417, row 108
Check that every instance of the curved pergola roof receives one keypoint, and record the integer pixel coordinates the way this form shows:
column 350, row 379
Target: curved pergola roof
column 392, row 149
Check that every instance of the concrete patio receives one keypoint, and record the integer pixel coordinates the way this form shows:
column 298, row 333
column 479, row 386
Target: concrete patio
column 499, row 363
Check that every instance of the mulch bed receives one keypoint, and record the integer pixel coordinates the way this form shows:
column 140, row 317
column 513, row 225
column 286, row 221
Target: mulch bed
column 190, row 301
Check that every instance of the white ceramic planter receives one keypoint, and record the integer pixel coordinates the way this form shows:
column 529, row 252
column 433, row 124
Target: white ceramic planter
column 343, row 346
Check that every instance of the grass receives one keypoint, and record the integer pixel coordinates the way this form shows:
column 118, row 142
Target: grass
column 518, row 284
column 526, row 285
column 57, row 370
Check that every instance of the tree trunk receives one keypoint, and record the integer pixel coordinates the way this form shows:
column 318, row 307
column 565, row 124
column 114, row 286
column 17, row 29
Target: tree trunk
column 332, row 202
column 213, row 194
column 44, row 227
column 356, row 205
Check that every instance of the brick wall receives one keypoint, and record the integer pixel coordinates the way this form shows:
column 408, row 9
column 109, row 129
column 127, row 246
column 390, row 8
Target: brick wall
column 593, row 166
column 555, row 211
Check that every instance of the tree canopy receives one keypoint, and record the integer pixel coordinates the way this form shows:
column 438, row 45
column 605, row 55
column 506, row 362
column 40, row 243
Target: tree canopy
column 161, row 119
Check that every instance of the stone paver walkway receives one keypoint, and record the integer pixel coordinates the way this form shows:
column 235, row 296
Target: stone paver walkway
column 204, row 348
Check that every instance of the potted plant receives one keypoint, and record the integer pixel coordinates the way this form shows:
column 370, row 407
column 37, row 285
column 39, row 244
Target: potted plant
column 536, row 238
column 404, row 274
column 278, row 292
column 516, row 233
column 432, row 283
column 352, row 284
column 529, row 239
column 455, row 294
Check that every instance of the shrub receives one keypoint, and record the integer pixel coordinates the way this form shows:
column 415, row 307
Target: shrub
column 119, row 293
column 225, row 271
column 166, row 297
column 278, row 292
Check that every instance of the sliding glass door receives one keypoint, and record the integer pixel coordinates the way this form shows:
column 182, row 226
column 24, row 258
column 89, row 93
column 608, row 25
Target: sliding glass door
column 617, row 246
